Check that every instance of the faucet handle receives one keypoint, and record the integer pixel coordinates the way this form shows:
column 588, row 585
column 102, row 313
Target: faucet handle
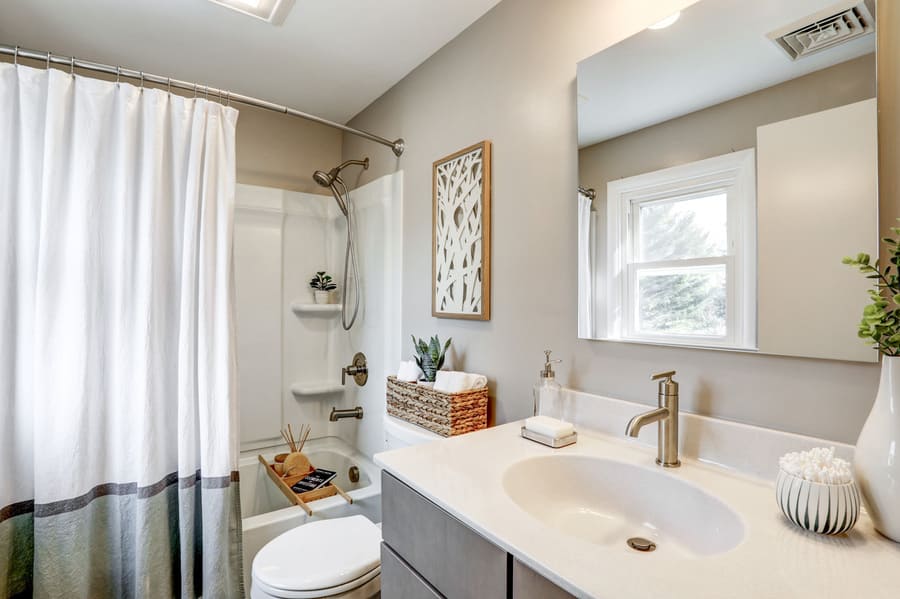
column 666, row 385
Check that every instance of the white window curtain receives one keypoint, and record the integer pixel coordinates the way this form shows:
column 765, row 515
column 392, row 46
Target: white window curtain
column 585, row 268
column 118, row 416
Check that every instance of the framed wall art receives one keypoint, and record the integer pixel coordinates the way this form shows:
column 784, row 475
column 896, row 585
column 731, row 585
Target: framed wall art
column 461, row 234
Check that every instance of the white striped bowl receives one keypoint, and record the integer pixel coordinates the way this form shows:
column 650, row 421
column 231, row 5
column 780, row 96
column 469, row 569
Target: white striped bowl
column 828, row 509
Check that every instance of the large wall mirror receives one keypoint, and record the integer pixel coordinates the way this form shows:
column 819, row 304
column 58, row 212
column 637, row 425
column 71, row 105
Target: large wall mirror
column 727, row 163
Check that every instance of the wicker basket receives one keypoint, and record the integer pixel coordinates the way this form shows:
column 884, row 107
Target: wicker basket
column 443, row 413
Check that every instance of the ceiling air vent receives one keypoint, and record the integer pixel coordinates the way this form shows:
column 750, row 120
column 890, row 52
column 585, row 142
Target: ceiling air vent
column 825, row 29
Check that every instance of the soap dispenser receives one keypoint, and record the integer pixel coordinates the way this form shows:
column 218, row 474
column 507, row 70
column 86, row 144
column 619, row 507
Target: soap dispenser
column 547, row 393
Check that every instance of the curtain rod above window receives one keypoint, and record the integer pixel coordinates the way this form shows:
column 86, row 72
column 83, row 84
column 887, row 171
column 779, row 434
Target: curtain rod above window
column 16, row 52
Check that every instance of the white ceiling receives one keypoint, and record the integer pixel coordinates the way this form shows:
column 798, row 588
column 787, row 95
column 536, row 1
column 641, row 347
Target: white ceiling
column 330, row 57
column 716, row 51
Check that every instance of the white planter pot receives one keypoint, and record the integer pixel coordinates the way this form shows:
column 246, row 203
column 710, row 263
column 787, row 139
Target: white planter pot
column 322, row 297
column 876, row 461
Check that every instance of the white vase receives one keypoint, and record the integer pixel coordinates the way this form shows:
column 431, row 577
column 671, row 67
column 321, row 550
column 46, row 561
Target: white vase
column 322, row 297
column 877, row 457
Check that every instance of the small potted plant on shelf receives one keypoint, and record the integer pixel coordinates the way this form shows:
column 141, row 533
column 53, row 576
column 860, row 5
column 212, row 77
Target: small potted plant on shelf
column 323, row 287
column 430, row 356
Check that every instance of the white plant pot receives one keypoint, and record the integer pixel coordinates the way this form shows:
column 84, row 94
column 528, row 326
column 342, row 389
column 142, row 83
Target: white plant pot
column 322, row 297
column 875, row 461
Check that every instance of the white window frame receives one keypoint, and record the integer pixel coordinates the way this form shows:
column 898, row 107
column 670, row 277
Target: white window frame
column 733, row 174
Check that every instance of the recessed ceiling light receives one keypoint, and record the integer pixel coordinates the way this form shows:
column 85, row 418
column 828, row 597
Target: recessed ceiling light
column 270, row 11
column 667, row 22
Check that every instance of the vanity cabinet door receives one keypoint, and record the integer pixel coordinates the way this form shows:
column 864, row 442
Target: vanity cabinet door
column 399, row 581
column 528, row 584
column 454, row 560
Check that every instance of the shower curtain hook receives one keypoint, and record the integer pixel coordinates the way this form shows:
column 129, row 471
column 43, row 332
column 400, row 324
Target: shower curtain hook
column 118, row 74
column 16, row 56
column 72, row 65
column 169, row 85
column 142, row 80
column 227, row 98
column 195, row 91
column 48, row 58
column 207, row 92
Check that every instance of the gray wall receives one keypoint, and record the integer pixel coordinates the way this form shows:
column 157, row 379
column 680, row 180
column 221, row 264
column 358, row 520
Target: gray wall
column 510, row 78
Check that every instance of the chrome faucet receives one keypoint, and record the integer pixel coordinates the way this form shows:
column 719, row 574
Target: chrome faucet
column 667, row 416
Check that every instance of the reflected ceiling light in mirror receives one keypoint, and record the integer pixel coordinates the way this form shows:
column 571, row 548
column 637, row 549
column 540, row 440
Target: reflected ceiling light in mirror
column 271, row 11
column 667, row 22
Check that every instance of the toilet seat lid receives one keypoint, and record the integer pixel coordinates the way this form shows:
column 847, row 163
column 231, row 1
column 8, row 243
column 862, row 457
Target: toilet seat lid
column 319, row 555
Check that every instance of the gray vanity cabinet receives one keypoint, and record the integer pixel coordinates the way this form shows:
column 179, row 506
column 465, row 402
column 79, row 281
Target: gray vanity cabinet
column 454, row 560
column 428, row 553
column 528, row 584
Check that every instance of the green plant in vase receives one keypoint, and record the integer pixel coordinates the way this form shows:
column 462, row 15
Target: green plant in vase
column 875, row 466
column 430, row 356
column 322, row 285
column 880, row 324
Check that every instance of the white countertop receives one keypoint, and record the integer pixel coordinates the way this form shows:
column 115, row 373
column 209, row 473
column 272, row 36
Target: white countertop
column 464, row 476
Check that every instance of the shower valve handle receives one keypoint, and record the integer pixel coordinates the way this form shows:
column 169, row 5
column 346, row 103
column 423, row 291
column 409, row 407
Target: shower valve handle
column 359, row 370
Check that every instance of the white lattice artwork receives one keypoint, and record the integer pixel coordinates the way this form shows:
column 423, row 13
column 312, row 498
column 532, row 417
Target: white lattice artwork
column 461, row 234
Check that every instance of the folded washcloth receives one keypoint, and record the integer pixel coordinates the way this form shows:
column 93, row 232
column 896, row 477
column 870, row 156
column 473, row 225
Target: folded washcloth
column 549, row 427
column 448, row 381
column 408, row 372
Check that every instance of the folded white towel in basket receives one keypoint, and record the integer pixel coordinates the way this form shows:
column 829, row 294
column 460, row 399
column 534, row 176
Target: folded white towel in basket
column 448, row 381
column 408, row 372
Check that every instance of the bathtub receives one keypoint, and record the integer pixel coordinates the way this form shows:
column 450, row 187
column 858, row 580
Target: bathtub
column 267, row 512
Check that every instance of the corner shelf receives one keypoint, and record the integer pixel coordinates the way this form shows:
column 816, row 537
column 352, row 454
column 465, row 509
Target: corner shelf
column 301, row 309
column 316, row 388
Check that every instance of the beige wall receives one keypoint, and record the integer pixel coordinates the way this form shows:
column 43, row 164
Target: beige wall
column 277, row 150
column 510, row 78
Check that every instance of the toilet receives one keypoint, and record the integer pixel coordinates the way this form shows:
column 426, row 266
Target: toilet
column 337, row 558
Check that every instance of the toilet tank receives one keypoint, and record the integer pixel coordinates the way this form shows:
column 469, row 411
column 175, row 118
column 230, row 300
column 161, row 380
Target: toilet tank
column 399, row 433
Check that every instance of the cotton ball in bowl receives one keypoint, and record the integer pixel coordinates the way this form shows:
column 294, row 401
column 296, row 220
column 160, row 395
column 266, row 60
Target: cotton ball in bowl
column 816, row 491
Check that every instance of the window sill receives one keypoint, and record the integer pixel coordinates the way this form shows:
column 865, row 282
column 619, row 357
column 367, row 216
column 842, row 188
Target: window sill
column 670, row 343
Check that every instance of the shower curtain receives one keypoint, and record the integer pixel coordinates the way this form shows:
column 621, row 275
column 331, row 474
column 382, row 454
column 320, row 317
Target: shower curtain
column 118, row 440
column 585, row 268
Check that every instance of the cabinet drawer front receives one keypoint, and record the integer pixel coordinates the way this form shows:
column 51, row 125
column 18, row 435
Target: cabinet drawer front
column 399, row 581
column 528, row 584
column 451, row 557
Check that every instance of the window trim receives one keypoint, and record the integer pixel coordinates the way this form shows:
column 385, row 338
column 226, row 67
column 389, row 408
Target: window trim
column 733, row 173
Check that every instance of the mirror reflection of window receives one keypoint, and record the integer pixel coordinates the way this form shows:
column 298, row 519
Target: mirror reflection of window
column 674, row 262
column 682, row 242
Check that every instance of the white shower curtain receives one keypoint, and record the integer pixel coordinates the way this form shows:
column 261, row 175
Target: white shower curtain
column 118, row 424
column 585, row 268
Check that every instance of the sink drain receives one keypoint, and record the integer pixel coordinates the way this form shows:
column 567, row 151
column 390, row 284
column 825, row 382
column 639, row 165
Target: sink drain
column 641, row 544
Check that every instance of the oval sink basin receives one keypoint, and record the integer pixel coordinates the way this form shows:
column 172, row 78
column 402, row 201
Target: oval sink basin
column 607, row 502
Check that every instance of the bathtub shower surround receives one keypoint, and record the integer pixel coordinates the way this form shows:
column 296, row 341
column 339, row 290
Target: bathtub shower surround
column 118, row 416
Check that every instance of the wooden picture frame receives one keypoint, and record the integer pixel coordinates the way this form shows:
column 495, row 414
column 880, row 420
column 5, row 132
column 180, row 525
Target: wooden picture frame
column 461, row 234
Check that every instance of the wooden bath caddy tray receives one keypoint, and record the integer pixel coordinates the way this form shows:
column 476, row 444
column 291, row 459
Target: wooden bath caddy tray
column 302, row 499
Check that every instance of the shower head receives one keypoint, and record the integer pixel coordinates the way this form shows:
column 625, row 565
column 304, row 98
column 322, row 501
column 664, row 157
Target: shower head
column 327, row 179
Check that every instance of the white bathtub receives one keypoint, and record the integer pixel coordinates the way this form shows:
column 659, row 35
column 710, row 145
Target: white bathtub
column 267, row 512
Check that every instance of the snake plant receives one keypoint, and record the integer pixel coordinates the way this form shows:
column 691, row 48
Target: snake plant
column 430, row 356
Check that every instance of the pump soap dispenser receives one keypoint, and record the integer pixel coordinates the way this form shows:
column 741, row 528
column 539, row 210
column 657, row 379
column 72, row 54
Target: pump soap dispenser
column 548, row 397
column 547, row 392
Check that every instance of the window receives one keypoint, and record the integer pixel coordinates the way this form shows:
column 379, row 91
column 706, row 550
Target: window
column 682, row 254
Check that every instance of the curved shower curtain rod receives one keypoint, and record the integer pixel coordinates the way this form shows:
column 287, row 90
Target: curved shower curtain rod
column 16, row 52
